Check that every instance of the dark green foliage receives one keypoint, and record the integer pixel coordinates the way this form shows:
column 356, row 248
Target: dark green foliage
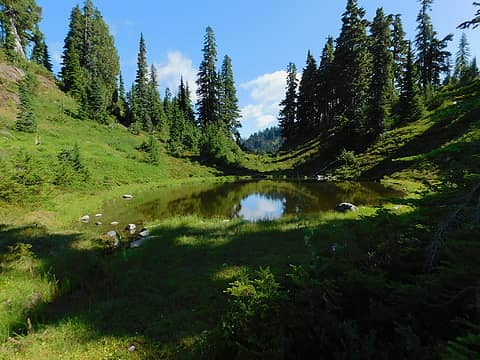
column 19, row 21
column 142, row 90
column 152, row 149
column 217, row 147
column 325, row 92
column 70, row 169
column 352, row 65
column 208, row 82
column 474, row 23
column 229, row 113
column 89, row 57
column 26, row 118
column 410, row 102
column 23, row 179
column 185, row 102
column 462, row 65
column 307, row 107
column 432, row 58
column 155, row 104
column 381, row 90
column 399, row 49
column 120, row 105
column 288, row 112
column 266, row 141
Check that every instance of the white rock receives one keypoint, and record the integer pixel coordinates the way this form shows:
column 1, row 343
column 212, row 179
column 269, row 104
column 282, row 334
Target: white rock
column 131, row 227
column 114, row 223
column 127, row 197
column 98, row 215
column 98, row 223
column 132, row 348
column 144, row 233
column 345, row 206
column 85, row 218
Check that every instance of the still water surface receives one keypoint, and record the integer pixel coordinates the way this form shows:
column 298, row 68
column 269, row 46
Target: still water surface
column 251, row 201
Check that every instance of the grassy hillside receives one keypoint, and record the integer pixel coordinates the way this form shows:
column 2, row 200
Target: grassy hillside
column 110, row 154
column 446, row 138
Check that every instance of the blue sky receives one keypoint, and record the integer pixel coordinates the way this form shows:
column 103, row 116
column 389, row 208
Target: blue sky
column 260, row 36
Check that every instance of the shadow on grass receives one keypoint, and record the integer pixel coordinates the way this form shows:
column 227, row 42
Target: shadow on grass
column 169, row 290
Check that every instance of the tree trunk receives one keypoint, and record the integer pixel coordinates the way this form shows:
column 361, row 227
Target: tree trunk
column 18, row 48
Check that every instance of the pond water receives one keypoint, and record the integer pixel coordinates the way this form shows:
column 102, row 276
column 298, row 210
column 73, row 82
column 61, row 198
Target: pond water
column 250, row 200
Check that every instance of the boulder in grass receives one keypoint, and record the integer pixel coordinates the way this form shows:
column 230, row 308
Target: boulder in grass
column 144, row 232
column 132, row 228
column 85, row 218
column 346, row 207
column 98, row 215
column 114, row 223
column 127, row 197
column 116, row 238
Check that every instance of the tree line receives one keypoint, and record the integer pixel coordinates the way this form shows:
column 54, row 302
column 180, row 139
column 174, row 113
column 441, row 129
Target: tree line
column 371, row 77
column 90, row 72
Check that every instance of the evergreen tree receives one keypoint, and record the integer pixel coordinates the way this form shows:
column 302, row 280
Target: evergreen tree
column 38, row 50
column 423, row 42
column 399, row 49
column 473, row 70
column 47, row 63
column 177, row 129
column 120, row 102
column 325, row 86
column 72, row 72
column 462, row 60
column 26, row 118
column 229, row 113
column 142, row 88
column 184, row 101
column 155, row 102
column 288, row 111
column 382, row 72
column 352, row 65
column 432, row 58
column 89, row 55
column 208, row 84
column 307, row 105
column 20, row 19
column 410, row 102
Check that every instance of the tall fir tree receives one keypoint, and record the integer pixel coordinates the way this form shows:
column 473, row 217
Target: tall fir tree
column 325, row 86
column 141, row 87
column 352, row 65
column 462, row 62
column 399, row 50
column 26, row 118
column 229, row 113
column 208, row 84
column 89, row 56
column 432, row 56
column 381, row 89
column 185, row 102
column 155, row 101
column 423, row 42
column 307, row 106
column 410, row 102
column 288, row 111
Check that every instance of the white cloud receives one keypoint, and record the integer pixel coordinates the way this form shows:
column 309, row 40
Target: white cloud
column 267, row 87
column 177, row 65
column 266, row 93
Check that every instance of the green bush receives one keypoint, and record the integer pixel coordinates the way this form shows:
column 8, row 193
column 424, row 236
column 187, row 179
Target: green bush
column 219, row 148
column 70, row 169
column 152, row 149
column 22, row 180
